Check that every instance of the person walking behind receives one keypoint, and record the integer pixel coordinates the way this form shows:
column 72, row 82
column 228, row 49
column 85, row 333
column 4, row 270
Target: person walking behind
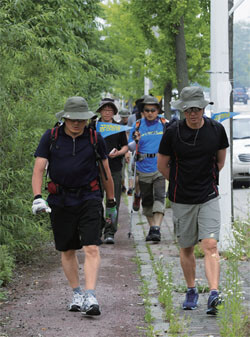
column 117, row 146
column 191, row 154
column 148, row 132
column 138, row 114
column 75, row 200
column 124, row 114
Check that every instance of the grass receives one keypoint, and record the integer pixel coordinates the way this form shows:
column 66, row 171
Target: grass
column 232, row 316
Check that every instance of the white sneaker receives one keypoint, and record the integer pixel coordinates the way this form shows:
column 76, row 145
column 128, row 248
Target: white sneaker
column 90, row 305
column 77, row 302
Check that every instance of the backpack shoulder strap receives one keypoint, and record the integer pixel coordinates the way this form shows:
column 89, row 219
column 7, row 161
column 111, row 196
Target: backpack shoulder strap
column 94, row 142
column 53, row 136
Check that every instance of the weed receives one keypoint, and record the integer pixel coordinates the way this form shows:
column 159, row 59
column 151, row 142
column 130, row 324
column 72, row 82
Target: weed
column 232, row 317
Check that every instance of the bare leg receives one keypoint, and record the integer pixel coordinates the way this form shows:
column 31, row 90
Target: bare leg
column 188, row 265
column 150, row 221
column 157, row 219
column 212, row 265
column 91, row 266
column 137, row 187
column 71, row 267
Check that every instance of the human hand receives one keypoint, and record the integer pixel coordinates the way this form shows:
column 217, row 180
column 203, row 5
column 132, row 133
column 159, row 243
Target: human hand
column 136, row 136
column 127, row 157
column 113, row 153
column 111, row 212
column 40, row 205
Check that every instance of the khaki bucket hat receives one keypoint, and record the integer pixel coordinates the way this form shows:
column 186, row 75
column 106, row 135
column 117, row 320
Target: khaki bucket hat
column 191, row 97
column 75, row 107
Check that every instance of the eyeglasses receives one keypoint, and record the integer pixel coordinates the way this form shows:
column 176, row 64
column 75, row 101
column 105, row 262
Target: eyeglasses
column 75, row 120
column 109, row 111
column 194, row 109
column 150, row 110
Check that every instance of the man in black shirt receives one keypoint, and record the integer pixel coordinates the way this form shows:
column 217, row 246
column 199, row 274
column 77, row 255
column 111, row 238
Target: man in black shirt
column 191, row 154
column 117, row 146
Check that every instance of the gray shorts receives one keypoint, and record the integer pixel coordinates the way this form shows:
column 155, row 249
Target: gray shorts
column 194, row 223
column 153, row 192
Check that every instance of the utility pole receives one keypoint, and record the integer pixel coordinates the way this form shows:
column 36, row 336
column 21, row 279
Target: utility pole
column 220, row 90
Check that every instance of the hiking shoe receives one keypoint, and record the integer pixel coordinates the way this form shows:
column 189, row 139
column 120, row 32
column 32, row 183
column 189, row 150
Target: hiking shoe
column 90, row 305
column 130, row 191
column 76, row 303
column 191, row 299
column 212, row 303
column 109, row 240
column 154, row 234
column 124, row 189
column 136, row 202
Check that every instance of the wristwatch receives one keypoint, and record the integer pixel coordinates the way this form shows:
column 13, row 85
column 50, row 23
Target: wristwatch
column 111, row 203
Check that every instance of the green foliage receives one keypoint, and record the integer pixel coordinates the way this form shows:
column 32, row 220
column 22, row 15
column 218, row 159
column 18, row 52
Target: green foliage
column 49, row 50
column 126, row 44
column 6, row 265
column 232, row 316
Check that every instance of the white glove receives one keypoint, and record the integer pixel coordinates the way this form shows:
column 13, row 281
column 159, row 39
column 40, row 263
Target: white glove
column 40, row 205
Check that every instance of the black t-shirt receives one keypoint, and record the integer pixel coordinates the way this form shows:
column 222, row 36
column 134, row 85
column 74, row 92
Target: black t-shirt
column 193, row 166
column 72, row 164
column 117, row 140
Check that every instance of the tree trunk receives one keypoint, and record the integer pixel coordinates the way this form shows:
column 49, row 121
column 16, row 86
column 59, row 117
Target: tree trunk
column 167, row 99
column 181, row 58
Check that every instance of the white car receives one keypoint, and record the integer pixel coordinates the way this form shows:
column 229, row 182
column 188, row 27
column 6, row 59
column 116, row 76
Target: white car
column 241, row 147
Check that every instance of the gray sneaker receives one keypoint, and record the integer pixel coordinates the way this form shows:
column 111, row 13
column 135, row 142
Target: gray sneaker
column 76, row 303
column 90, row 305
column 109, row 240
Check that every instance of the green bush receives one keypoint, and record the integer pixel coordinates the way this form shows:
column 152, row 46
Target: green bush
column 6, row 265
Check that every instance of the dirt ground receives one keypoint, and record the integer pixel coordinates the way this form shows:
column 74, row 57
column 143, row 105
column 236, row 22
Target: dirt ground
column 39, row 294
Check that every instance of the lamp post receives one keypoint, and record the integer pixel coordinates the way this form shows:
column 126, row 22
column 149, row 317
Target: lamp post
column 220, row 90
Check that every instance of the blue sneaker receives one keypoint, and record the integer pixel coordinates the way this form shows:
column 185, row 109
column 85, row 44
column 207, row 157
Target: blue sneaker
column 191, row 299
column 212, row 303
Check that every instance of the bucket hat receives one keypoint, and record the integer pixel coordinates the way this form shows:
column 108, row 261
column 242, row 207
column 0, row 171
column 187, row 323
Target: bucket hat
column 150, row 100
column 75, row 107
column 124, row 113
column 191, row 97
column 109, row 101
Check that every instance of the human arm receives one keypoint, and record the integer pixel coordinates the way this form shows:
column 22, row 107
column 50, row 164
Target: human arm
column 37, row 177
column 221, row 157
column 115, row 153
column 108, row 183
column 39, row 204
column 163, row 165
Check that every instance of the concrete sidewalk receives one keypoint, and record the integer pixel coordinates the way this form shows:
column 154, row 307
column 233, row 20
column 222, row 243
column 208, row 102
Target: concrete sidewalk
column 199, row 323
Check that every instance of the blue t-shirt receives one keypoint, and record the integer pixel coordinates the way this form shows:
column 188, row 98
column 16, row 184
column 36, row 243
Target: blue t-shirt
column 151, row 134
column 72, row 164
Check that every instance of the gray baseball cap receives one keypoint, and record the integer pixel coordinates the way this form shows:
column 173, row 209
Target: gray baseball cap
column 75, row 107
column 191, row 97
column 124, row 113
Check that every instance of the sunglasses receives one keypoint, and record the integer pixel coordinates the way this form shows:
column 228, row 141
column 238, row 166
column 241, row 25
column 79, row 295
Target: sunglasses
column 193, row 110
column 150, row 110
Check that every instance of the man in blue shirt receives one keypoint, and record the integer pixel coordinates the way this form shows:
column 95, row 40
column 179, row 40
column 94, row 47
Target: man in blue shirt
column 147, row 132
column 75, row 199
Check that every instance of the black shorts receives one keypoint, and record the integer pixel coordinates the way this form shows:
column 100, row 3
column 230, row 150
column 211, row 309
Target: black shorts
column 76, row 226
